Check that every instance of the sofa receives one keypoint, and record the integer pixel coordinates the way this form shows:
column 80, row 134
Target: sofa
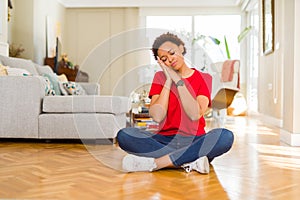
column 30, row 108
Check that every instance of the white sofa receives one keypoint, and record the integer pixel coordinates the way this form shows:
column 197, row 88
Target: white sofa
column 27, row 112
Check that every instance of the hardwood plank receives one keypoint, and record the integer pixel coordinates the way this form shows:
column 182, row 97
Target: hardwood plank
column 258, row 166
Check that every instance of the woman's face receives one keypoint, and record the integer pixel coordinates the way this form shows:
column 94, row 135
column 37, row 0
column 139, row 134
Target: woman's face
column 171, row 55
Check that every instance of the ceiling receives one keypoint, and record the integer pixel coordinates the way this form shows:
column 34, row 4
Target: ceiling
column 152, row 3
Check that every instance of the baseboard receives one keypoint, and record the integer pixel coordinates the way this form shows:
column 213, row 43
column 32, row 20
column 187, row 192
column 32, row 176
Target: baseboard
column 268, row 119
column 292, row 139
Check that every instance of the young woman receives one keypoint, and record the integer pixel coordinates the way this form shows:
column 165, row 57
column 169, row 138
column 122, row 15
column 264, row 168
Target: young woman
column 179, row 98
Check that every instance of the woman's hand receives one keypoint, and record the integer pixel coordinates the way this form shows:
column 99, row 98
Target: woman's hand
column 164, row 68
column 171, row 75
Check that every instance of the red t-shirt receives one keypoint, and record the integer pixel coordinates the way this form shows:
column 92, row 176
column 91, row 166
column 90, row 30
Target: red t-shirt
column 177, row 121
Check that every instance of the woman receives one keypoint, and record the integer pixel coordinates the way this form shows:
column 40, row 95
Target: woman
column 179, row 98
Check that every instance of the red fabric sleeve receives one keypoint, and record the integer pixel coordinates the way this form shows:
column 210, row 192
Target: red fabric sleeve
column 157, row 83
column 204, row 87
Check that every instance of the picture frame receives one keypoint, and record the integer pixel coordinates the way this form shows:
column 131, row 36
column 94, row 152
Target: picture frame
column 268, row 26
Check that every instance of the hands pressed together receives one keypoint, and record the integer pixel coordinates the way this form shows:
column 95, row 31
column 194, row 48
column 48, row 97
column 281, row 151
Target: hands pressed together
column 171, row 75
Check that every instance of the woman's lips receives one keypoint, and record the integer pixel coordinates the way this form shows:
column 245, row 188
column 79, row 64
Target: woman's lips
column 173, row 64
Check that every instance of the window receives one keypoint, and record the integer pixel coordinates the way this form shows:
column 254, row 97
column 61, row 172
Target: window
column 219, row 26
column 203, row 51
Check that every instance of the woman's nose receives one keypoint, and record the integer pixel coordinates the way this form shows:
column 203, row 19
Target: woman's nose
column 170, row 58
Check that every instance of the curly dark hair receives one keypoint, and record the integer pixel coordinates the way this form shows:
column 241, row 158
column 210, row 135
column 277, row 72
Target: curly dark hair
column 166, row 37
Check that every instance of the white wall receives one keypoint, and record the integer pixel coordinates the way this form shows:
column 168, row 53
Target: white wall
column 55, row 13
column 3, row 28
column 290, row 132
column 99, row 41
column 296, row 91
column 270, row 81
column 279, row 93
column 21, row 26
column 28, row 26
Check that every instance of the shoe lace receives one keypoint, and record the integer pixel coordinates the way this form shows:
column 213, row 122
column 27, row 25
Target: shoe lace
column 188, row 167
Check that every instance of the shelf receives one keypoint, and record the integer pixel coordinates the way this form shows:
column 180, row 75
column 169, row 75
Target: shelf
column 144, row 121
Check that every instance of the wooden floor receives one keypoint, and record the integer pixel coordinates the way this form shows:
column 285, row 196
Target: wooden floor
column 257, row 167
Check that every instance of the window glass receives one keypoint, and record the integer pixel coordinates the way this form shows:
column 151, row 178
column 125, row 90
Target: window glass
column 197, row 33
column 218, row 26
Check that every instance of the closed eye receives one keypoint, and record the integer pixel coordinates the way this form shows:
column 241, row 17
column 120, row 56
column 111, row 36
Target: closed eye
column 171, row 52
column 164, row 59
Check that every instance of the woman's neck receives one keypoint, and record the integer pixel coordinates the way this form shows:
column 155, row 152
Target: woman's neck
column 186, row 72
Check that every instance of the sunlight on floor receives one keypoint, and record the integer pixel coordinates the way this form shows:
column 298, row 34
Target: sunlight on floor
column 258, row 166
column 279, row 156
column 282, row 162
column 277, row 150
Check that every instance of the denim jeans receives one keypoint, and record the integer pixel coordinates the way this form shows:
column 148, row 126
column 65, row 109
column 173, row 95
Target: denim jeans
column 181, row 149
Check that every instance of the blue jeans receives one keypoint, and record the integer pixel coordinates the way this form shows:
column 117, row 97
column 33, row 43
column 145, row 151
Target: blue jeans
column 181, row 149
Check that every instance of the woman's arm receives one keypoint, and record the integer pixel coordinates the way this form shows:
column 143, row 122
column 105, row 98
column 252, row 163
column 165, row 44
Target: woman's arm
column 194, row 108
column 159, row 103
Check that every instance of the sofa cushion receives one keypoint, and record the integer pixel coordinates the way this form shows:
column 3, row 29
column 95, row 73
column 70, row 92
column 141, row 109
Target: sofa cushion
column 54, row 81
column 3, row 70
column 11, row 71
column 49, row 91
column 19, row 63
column 80, row 125
column 86, row 104
column 45, row 69
column 62, row 78
column 73, row 88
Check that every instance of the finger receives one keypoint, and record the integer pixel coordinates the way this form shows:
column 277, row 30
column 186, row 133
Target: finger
column 159, row 61
column 158, row 58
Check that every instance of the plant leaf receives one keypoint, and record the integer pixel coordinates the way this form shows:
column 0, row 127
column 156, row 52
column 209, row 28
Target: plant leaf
column 244, row 33
column 215, row 40
column 227, row 48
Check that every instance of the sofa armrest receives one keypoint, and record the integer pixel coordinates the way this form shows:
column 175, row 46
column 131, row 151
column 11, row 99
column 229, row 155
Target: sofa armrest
column 20, row 105
column 91, row 88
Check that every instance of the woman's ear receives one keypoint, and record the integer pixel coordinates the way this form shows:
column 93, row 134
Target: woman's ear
column 181, row 48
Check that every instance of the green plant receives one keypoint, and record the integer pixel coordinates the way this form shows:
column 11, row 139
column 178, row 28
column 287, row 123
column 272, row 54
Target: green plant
column 216, row 41
column 227, row 48
column 203, row 37
column 240, row 37
column 244, row 33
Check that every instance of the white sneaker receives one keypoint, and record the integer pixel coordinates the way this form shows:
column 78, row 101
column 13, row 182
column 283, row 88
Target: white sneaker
column 201, row 165
column 132, row 163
